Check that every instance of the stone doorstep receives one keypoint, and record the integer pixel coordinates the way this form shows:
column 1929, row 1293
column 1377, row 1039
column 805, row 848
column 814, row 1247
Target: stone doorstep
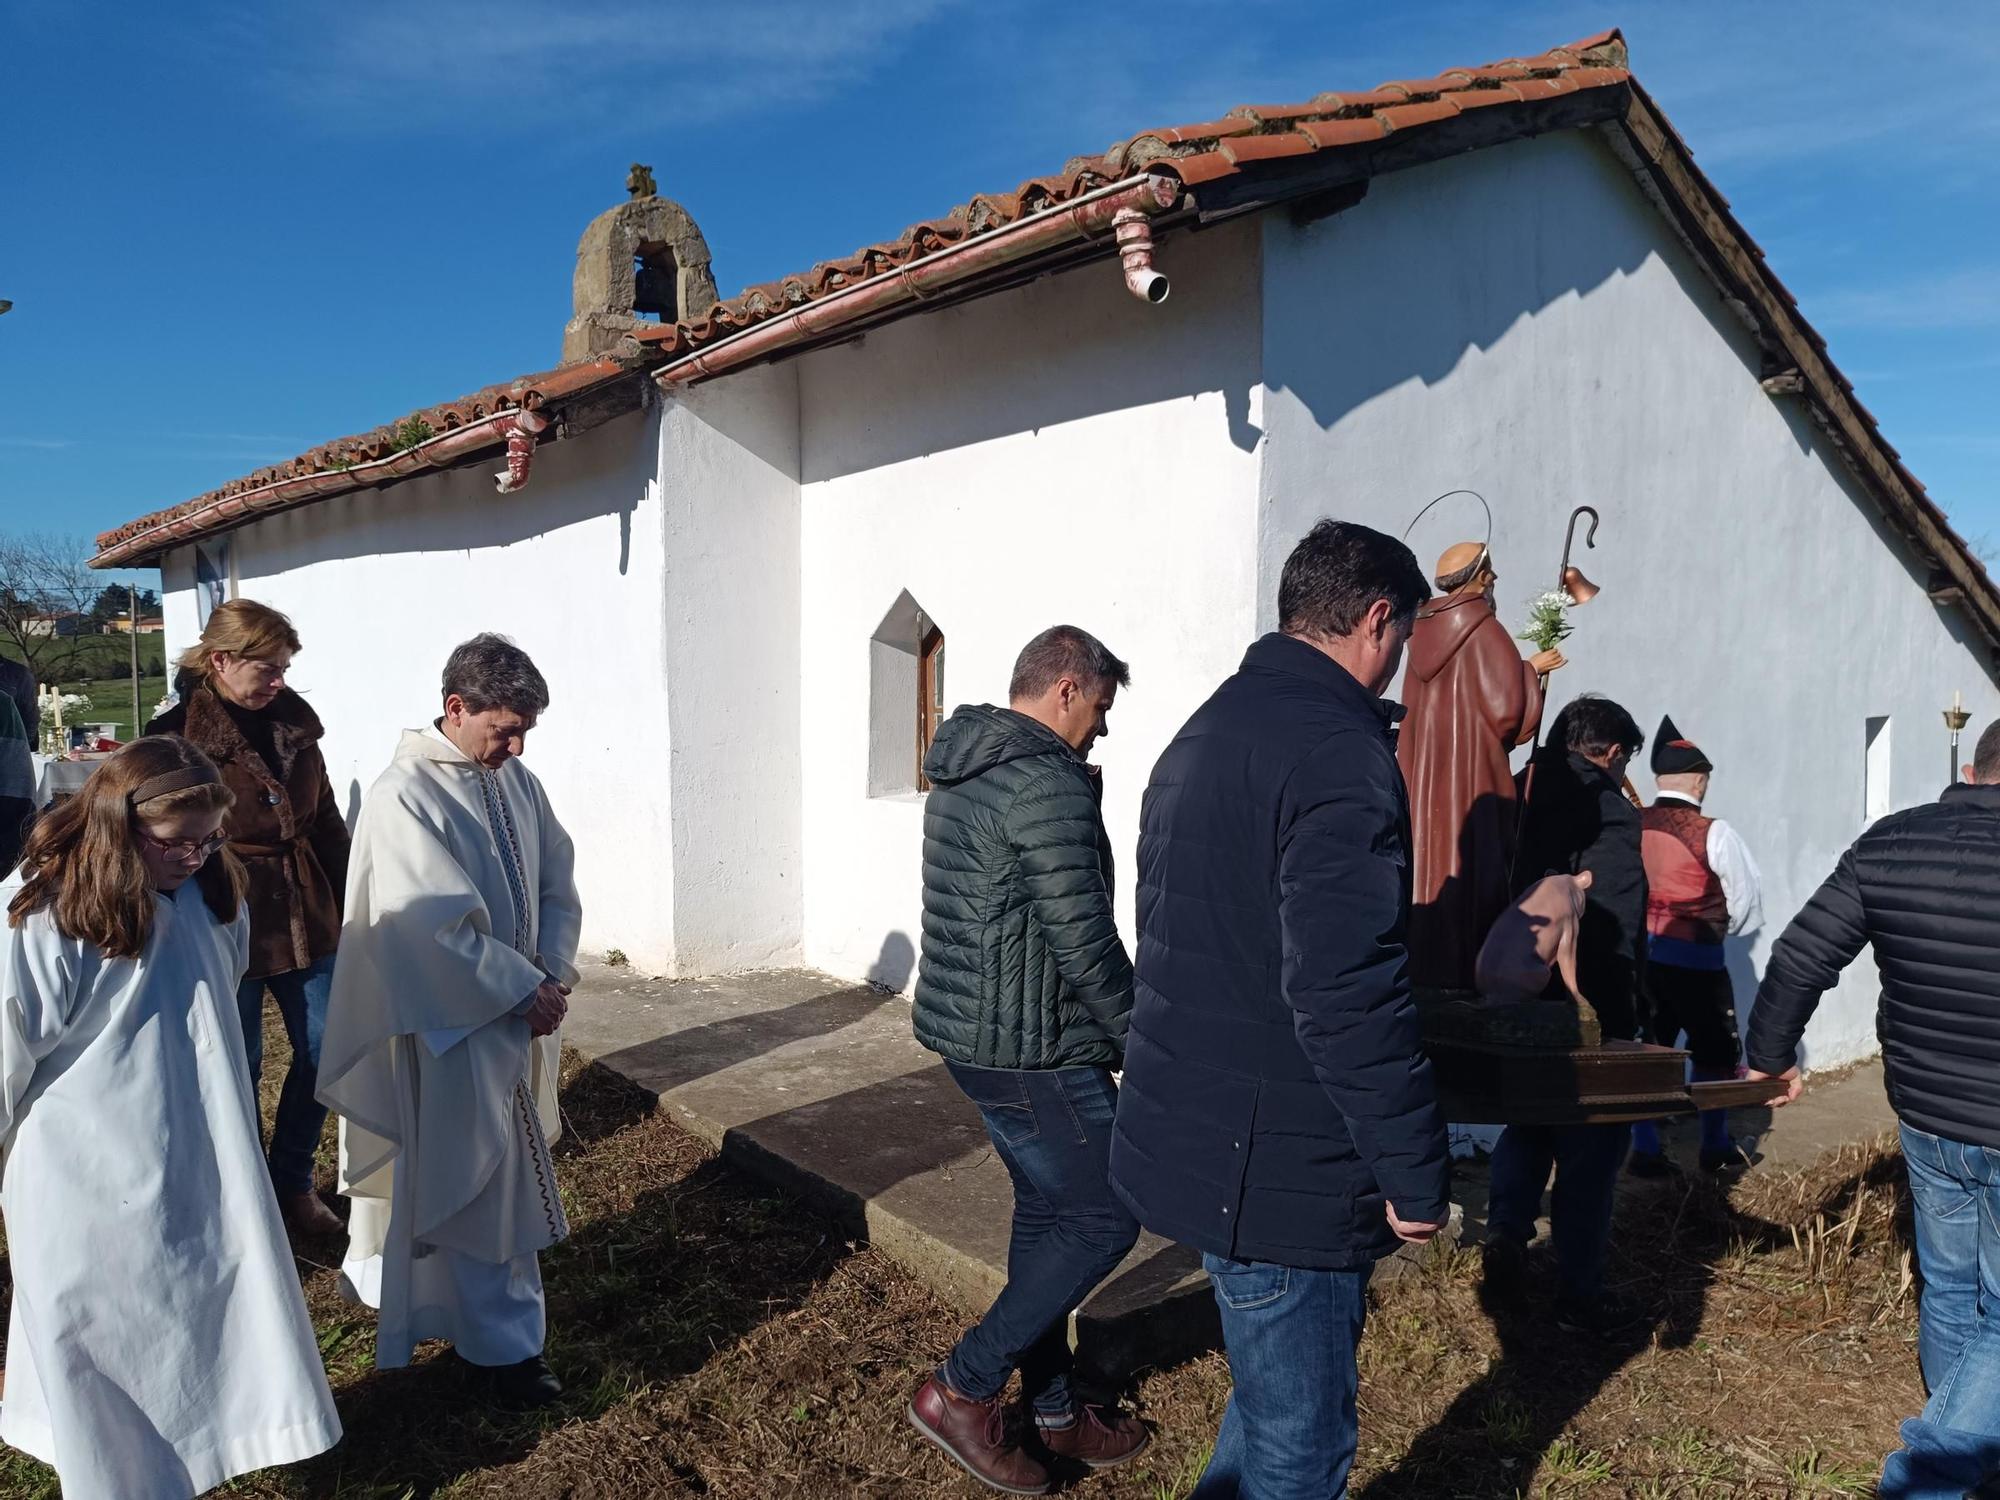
column 818, row 1088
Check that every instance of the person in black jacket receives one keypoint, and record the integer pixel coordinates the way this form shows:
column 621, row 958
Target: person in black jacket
column 1024, row 989
column 1922, row 888
column 1276, row 1112
column 1578, row 818
column 17, row 681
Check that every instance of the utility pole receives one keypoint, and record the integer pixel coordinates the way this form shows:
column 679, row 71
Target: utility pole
column 132, row 600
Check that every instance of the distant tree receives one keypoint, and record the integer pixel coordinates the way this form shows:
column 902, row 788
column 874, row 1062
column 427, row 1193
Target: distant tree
column 45, row 580
column 114, row 601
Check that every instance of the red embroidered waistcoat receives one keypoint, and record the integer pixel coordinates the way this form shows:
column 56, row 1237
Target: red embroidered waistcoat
column 1684, row 897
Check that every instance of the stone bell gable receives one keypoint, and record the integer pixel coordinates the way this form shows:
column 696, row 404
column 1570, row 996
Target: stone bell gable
column 644, row 258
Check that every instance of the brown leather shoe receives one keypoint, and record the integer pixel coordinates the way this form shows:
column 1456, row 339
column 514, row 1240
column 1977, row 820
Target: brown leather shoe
column 1100, row 1437
column 306, row 1215
column 974, row 1435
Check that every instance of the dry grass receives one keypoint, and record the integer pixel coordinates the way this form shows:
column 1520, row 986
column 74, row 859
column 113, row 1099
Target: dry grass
column 718, row 1340
column 1777, row 1357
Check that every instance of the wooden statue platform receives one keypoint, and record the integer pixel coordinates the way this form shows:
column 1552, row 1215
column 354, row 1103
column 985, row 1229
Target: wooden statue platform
column 1541, row 1062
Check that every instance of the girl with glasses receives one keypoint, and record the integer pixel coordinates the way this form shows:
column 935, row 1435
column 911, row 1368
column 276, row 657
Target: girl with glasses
column 159, row 1343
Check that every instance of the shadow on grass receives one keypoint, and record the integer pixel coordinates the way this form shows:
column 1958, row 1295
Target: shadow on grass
column 1668, row 1250
column 675, row 1257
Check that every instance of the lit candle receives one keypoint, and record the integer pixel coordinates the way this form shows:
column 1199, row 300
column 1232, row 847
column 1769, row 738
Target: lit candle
column 1956, row 698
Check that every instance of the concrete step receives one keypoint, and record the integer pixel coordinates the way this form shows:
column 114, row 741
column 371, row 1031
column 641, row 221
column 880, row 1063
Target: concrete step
column 818, row 1087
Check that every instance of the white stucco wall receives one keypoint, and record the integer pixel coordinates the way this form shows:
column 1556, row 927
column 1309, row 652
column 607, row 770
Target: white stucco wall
column 1058, row 454
column 570, row 568
column 1521, row 321
column 701, row 587
column 179, row 622
column 729, row 495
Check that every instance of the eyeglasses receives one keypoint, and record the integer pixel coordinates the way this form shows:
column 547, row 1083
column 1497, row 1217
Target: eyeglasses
column 184, row 849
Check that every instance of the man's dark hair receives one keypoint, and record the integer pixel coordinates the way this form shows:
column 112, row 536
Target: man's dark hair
column 1064, row 651
column 1337, row 571
column 1591, row 725
column 1986, row 755
column 490, row 671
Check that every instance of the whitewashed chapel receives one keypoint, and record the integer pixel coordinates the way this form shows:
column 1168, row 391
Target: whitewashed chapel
column 759, row 545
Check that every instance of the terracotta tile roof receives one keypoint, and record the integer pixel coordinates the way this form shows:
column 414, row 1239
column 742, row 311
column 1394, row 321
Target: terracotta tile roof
column 1197, row 153
column 1250, row 150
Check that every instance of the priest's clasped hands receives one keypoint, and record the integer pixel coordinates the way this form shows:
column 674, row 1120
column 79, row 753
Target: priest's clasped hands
column 551, row 1004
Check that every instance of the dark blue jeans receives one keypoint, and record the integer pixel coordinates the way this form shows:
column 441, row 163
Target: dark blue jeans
column 301, row 995
column 1289, row 1430
column 1938, row 1463
column 1052, row 1128
column 1586, row 1159
column 1955, row 1188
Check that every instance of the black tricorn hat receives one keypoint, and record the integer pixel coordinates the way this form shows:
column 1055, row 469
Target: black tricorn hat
column 1675, row 755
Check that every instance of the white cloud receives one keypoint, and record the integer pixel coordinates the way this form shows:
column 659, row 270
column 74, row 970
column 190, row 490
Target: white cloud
column 1965, row 298
column 1851, row 83
column 493, row 68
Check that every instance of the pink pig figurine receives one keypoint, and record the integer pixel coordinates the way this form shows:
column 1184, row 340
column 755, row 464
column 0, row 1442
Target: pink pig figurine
column 1537, row 933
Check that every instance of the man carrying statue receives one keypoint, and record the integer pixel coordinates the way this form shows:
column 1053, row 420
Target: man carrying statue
column 1471, row 700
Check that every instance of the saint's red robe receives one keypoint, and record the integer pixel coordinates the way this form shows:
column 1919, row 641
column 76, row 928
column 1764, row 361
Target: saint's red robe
column 1471, row 700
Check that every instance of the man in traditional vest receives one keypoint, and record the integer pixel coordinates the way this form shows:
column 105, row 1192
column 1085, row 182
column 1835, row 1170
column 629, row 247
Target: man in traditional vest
column 1702, row 888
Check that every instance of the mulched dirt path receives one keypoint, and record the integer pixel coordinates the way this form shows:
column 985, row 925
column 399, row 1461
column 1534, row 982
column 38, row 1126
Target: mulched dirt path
column 718, row 1340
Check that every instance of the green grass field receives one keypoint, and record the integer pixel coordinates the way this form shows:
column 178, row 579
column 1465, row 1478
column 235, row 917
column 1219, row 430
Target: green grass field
column 99, row 667
column 111, row 701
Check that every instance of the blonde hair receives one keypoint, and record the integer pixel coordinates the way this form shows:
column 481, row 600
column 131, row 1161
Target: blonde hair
column 83, row 858
column 241, row 627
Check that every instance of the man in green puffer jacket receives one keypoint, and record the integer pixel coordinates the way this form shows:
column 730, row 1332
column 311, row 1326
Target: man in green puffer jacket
column 1025, row 989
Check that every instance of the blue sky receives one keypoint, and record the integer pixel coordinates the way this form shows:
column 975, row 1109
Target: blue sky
column 244, row 230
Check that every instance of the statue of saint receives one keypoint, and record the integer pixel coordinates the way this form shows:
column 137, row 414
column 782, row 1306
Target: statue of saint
column 1471, row 700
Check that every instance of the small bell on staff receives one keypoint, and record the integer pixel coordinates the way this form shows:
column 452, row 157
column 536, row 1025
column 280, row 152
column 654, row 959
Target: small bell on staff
column 1580, row 589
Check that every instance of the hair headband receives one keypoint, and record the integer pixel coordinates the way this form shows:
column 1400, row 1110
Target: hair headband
column 175, row 781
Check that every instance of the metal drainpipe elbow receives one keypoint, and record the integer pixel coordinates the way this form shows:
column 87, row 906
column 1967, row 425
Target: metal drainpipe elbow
column 520, row 451
column 1135, row 249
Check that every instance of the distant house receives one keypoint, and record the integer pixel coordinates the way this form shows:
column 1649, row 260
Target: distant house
column 738, row 535
column 59, row 626
column 122, row 625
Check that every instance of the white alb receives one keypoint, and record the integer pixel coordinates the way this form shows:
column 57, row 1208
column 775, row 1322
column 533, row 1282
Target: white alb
column 158, row 1344
column 460, row 901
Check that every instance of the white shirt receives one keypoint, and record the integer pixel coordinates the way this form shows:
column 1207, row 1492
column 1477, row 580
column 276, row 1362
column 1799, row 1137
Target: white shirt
column 1729, row 857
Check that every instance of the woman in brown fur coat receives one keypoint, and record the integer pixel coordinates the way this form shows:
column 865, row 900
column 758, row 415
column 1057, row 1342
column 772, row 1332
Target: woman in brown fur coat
column 287, row 829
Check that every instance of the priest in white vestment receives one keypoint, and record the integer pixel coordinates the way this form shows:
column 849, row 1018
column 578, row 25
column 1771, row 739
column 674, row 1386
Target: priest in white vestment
column 441, row 1048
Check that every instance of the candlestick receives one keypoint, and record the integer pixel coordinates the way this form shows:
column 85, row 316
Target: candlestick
column 1955, row 719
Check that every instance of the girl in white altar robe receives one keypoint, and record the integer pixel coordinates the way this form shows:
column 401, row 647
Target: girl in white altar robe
column 158, row 1344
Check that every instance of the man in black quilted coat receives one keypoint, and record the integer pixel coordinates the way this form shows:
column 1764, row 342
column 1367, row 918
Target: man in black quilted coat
column 1277, row 1113
column 1025, row 990
column 1922, row 888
